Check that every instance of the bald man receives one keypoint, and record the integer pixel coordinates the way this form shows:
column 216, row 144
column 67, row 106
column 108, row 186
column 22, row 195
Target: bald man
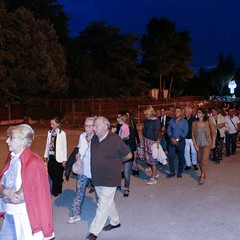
column 108, row 152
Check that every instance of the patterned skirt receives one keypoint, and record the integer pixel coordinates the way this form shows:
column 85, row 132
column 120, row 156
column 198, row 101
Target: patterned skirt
column 217, row 152
column 146, row 152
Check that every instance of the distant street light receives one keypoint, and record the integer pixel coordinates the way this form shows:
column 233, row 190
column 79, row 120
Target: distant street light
column 232, row 85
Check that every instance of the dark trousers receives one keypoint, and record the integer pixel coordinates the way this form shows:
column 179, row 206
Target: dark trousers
column 179, row 149
column 55, row 171
column 231, row 143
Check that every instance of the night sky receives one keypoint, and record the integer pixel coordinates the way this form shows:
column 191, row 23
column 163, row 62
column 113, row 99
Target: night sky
column 213, row 25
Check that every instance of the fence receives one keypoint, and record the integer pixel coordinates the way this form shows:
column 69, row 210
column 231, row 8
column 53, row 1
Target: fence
column 74, row 111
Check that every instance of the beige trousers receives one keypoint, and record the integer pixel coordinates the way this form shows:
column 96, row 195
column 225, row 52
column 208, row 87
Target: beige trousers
column 105, row 209
column 203, row 157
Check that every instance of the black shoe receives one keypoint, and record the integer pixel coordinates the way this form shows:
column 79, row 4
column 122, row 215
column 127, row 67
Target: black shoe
column 110, row 227
column 126, row 193
column 179, row 175
column 91, row 236
column 92, row 190
column 119, row 188
column 55, row 195
column 218, row 161
column 195, row 167
column 135, row 173
column 170, row 175
column 187, row 168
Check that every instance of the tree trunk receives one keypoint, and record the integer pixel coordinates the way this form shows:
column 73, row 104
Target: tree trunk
column 164, row 84
column 160, row 86
column 170, row 87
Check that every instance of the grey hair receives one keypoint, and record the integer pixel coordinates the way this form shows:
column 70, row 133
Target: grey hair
column 104, row 121
column 24, row 131
column 90, row 119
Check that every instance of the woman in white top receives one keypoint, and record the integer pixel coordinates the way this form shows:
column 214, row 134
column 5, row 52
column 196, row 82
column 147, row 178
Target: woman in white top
column 82, row 180
column 56, row 155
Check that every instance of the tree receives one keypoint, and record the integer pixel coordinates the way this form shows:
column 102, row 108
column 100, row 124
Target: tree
column 45, row 10
column 166, row 53
column 7, row 84
column 200, row 85
column 223, row 74
column 214, row 81
column 34, row 60
column 103, row 63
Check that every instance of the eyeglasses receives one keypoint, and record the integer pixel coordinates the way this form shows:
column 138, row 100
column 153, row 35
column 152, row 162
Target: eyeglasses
column 87, row 126
column 11, row 138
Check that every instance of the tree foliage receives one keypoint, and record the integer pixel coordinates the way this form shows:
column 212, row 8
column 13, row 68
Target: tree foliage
column 166, row 53
column 49, row 10
column 214, row 81
column 33, row 62
column 223, row 74
column 103, row 63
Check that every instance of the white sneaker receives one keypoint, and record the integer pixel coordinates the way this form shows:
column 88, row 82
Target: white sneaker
column 151, row 181
column 157, row 175
column 74, row 219
column 147, row 169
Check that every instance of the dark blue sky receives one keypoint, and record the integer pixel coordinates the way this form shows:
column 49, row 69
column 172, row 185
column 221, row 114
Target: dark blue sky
column 213, row 25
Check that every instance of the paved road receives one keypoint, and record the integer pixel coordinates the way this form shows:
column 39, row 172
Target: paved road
column 173, row 209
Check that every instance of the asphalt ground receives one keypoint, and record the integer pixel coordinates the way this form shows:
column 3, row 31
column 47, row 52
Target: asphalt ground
column 172, row 209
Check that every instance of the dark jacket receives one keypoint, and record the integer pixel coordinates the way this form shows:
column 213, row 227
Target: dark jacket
column 71, row 160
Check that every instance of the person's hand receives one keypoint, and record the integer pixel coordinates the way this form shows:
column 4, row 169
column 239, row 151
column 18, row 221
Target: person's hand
column 213, row 146
column 163, row 130
column 64, row 164
column 158, row 143
column 113, row 129
column 174, row 141
column 78, row 156
column 11, row 195
column 197, row 148
column 20, row 194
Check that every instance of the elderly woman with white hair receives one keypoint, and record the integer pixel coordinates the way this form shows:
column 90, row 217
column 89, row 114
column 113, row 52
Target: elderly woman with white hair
column 24, row 190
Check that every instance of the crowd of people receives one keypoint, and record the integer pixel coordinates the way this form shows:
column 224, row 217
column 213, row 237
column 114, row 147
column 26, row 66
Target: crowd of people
column 190, row 137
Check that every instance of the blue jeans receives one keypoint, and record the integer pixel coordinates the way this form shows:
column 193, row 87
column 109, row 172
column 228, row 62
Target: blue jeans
column 179, row 149
column 127, row 167
column 8, row 231
column 81, row 185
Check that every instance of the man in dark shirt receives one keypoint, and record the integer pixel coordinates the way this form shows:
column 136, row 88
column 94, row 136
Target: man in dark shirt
column 108, row 152
column 177, row 132
column 190, row 151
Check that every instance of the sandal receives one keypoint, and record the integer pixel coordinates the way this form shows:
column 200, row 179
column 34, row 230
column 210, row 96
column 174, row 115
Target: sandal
column 92, row 190
column 126, row 193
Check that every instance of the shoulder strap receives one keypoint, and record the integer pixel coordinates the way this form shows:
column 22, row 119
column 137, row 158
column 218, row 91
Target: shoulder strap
column 86, row 151
column 232, row 123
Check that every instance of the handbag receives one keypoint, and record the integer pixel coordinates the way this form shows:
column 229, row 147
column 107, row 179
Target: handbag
column 78, row 166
